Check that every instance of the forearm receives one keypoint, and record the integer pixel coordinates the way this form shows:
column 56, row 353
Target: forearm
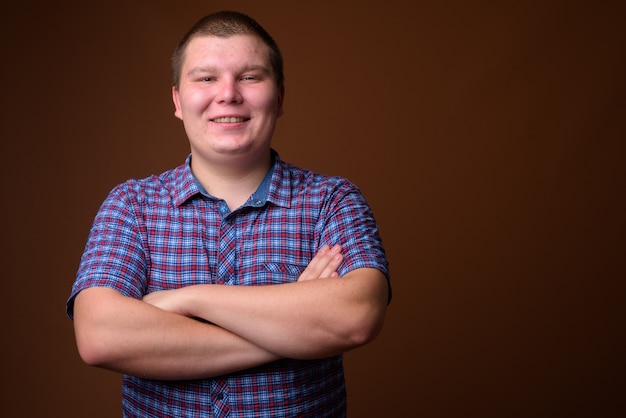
column 309, row 319
column 132, row 337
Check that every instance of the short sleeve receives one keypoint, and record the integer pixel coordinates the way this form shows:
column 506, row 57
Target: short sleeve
column 350, row 222
column 115, row 254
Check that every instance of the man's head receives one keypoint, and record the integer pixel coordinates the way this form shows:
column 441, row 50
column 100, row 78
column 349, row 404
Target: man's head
column 226, row 24
column 228, row 91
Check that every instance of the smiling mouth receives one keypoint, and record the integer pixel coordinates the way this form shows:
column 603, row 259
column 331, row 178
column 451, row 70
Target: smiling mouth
column 229, row 119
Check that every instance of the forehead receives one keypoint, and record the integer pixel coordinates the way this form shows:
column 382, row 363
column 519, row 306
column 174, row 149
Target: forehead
column 217, row 49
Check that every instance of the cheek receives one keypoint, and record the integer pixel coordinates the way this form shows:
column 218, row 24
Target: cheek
column 269, row 106
column 194, row 102
column 264, row 99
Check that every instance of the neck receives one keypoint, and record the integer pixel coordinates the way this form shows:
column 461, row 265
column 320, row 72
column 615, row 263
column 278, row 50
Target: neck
column 231, row 181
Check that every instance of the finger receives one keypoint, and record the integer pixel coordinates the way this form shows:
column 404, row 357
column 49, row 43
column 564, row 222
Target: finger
column 323, row 264
column 331, row 268
column 316, row 265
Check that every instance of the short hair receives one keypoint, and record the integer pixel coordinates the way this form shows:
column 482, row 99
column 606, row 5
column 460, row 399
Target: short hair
column 225, row 24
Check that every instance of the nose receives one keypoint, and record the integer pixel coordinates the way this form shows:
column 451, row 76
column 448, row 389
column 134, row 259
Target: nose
column 228, row 92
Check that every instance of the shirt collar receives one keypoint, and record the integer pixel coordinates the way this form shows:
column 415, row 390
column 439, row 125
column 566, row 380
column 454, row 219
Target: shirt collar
column 280, row 183
column 186, row 185
column 272, row 187
column 259, row 197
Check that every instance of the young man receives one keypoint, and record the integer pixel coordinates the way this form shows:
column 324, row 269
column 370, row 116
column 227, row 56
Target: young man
column 232, row 284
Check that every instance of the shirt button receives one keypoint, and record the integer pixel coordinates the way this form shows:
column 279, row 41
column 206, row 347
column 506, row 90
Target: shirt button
column 219, row 396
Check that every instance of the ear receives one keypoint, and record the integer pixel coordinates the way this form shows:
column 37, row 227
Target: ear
column 281, row 100
column 176, row 99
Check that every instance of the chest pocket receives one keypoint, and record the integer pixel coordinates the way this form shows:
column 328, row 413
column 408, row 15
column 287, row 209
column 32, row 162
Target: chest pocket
column 272, row 273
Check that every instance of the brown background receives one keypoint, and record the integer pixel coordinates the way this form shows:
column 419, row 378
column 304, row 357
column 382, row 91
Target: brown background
column 488, row 138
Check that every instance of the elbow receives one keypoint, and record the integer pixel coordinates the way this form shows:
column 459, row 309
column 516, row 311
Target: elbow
column 366, row 328
column 97, row 345
column 95, row 335
column 92, row 351
column 89, row 355
column 356, row 330
column 365, row 314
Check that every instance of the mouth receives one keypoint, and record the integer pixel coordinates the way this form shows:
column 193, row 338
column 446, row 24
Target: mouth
column 230, row 119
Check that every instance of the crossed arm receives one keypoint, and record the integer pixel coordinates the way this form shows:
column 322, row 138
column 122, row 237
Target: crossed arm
column 157, row 337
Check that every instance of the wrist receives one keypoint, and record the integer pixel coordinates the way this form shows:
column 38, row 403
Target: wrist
column 194, row 299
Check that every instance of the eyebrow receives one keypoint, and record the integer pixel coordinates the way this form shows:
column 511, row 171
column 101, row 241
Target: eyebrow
column 209, row 69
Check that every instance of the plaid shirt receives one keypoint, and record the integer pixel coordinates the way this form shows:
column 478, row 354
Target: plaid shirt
column 166, row 232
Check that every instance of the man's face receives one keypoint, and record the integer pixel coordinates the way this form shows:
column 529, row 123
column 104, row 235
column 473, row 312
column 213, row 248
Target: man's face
column 227, row 98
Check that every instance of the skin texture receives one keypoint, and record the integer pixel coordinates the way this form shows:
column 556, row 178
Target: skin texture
column 243, row 326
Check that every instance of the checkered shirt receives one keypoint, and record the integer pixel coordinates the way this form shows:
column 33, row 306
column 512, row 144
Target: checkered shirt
column 165, row 232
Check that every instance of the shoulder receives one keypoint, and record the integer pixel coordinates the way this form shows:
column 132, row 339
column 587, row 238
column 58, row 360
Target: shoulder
column 155, row 189
column 305, row 180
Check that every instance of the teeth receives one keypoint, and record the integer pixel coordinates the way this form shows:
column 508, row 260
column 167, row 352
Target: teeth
column 228, row 120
